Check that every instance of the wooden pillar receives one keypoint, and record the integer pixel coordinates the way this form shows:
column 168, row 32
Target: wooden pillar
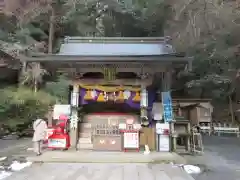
column 144, row 101
column 74, row 117
column 21, row 72
column 167, row 80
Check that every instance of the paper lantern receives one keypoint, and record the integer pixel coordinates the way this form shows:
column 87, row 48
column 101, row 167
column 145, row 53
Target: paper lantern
column 101, row 97
column 137, row 97
column 127, row 94
column 120, row 96
column 111, row 96
column 88, row 95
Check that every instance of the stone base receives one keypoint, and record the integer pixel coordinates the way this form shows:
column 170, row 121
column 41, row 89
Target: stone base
column 107, row 157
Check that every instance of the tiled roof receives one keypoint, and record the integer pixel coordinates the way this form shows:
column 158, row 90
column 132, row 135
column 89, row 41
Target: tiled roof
column 116, row 49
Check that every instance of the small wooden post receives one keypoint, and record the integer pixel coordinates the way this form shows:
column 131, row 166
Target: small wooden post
column 219, row 132
column 188, row 137
column 173, row 137
column 210, row 129
column 238, row 132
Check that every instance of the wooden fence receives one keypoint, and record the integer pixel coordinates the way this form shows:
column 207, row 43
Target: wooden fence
column 148, row 136
column 219, row 129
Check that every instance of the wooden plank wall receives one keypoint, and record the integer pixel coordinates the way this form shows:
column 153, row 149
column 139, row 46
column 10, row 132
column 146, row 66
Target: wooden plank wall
column 147, row 135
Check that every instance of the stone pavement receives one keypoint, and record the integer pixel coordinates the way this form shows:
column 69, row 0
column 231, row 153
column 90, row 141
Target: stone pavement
column 100, row 171
column 14, row 146
column 107, row 157
column 221, row 159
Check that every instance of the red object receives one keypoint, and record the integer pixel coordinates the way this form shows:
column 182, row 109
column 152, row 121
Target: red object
column 165, row 132
column 62, row 121
column 59, row 141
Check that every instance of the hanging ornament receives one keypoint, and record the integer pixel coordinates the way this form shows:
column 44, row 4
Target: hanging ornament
column 88, row 95
column 137, row 97
column 127, row 94
column 105, row 96
column 101, row 97
column 120, row 96
column 93, row 94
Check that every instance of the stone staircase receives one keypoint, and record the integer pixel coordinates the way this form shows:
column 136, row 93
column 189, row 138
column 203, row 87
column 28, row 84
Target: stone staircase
column 85, row 137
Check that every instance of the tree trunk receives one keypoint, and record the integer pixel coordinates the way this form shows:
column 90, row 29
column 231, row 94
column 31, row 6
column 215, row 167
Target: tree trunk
column 35, row 86
column 231, row 109
column 51, row 32
column 21, row 73
column 37, row 76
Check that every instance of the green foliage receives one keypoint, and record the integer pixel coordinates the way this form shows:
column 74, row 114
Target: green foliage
column 58, row 89
column 206, row 30
column 18, row 105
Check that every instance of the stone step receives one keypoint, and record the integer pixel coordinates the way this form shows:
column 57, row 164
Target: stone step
column 85, row 141
column 86, row 125
column 85, row 135
column 85, row 146
column 84, row 130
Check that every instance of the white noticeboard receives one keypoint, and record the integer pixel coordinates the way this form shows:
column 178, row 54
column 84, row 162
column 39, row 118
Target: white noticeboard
column 164, row 140
column 131, row 140
column 157, row 111
column 164, row 144
column 60, row 109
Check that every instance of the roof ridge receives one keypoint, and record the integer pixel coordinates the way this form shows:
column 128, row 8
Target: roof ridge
column 78, row 39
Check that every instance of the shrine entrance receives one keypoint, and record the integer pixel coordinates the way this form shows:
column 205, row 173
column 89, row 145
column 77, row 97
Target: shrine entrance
column 99, row 128
column 122, row 71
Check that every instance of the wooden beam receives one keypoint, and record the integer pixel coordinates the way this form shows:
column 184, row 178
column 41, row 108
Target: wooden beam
column 107, row 59
column 136, row 69
column 129, row 82
column 118, row 40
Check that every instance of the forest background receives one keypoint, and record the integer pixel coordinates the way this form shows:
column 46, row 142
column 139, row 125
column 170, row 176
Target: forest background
column 207, row 30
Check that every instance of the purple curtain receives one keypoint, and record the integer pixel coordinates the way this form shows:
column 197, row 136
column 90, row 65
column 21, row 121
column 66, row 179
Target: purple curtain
column 130, row 102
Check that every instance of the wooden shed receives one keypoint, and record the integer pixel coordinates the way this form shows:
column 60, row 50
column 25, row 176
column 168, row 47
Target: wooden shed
column 196, row 110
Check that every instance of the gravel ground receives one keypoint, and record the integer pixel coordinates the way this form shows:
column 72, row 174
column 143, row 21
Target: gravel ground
column 221, row 159
column 10, row 147
column 13, row 149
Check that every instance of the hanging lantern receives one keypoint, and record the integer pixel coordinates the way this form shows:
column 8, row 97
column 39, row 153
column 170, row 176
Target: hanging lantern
column 111, row 96
column 127, row 94
column 101, row 97
column 120, row 96
column 137, row 97
column 88, row 95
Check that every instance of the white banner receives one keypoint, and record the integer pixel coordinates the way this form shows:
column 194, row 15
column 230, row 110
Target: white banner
column 57, row 143
column 61, row 109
